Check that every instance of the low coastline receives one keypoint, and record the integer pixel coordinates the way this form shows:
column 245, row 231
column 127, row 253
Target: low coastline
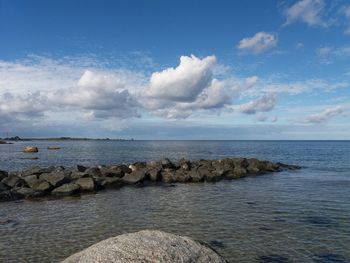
column 58, row 181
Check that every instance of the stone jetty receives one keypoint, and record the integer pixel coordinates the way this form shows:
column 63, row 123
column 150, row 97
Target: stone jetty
column 147, row 246
column 37, row 182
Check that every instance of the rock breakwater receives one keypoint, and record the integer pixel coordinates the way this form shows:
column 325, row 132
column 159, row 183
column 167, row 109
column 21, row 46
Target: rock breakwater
column 37, row 182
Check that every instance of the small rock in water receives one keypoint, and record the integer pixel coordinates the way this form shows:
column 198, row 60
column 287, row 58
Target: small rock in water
column 53, row 148
column 31, row 149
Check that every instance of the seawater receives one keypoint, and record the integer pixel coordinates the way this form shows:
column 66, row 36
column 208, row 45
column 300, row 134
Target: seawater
column 292, row 216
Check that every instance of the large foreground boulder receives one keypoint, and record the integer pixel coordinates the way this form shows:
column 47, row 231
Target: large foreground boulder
column 147, row 246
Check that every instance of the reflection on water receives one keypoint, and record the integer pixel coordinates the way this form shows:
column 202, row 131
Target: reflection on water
column 301, row 216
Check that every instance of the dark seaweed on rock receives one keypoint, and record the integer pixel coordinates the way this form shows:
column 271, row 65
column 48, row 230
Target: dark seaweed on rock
column 60, row 181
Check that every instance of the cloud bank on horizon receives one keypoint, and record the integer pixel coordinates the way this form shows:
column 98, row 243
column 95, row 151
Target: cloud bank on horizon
column 265, row 87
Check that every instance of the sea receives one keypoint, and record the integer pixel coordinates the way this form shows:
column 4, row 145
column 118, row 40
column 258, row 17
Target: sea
column 291, row 216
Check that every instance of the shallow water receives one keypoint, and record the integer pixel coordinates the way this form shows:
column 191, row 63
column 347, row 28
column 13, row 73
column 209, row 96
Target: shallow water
column 301, row 216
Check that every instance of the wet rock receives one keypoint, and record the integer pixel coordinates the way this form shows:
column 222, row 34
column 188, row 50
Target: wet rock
column 147, row 246
column 81, row 168
column 3, row 187
column 154, row 175
column 31, row 180
column 31, row 149
column 86, row 184
column 111, row 182
column 134, row 177
column 288, row 166
column 167, row 164
column 185, row 164
column 26, row 192
column 66, row 189
column 195, row 176
column 94, row 172
column 76, row 175
column 37, row 171
column 9, row 195
column 254, row 166
column 181, row 176
column 168, row 176
column 55, row 179
column 13, row 181
column 137, row 166
column 3, row 174
column 53, row 148
column 114, row 171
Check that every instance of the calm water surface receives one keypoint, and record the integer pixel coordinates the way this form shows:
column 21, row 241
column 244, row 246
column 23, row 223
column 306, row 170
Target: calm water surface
column 301, row 216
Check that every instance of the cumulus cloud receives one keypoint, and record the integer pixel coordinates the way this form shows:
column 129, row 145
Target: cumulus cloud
column 184, row 82
column 190, row 87
column 306, row 11
column 258, row 43
column 40, row 87
column 105, row 94
column 262, row 104
column 325, row 115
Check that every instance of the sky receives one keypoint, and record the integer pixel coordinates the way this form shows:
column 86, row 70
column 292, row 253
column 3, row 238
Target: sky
column 242, row 70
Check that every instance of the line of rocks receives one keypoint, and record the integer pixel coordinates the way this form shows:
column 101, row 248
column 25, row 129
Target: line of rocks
column 60, row 181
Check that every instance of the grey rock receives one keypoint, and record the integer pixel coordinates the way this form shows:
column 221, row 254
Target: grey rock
column 168, row 176
column 13, row 181
column 76, row 175
column 36, row 170
column 154, row 175
column 81, row 168
column 134, row 177
column 113, row 171
column 147, row 246
column 195, row 176
column 111, row 182
column 66, row 189
column 3, row 187
column 167, row 164
column 86, row 184
column 137, row 166
column 55, row 179
column 42, row 186
column 3, row 174
column 26, row 192
column 94, row 172
column 31, row 180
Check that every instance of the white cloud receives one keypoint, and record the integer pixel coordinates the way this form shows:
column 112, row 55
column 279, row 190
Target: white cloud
column 183, row 83
column 307, row 11
column 262, row 104
column 106, row 94
column 258, row 43
column 177, row 93
column 328, row 54
column 41, row 87
column 306, row 86
column 325, row 115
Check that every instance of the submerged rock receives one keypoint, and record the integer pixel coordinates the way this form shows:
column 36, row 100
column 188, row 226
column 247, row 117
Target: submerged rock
column 66, row 189
column 147, row 246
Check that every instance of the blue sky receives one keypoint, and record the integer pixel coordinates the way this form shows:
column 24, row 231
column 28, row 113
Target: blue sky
column 175, row 69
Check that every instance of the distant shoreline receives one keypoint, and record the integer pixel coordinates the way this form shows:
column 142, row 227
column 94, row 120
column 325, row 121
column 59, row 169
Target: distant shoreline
column 17, row 139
